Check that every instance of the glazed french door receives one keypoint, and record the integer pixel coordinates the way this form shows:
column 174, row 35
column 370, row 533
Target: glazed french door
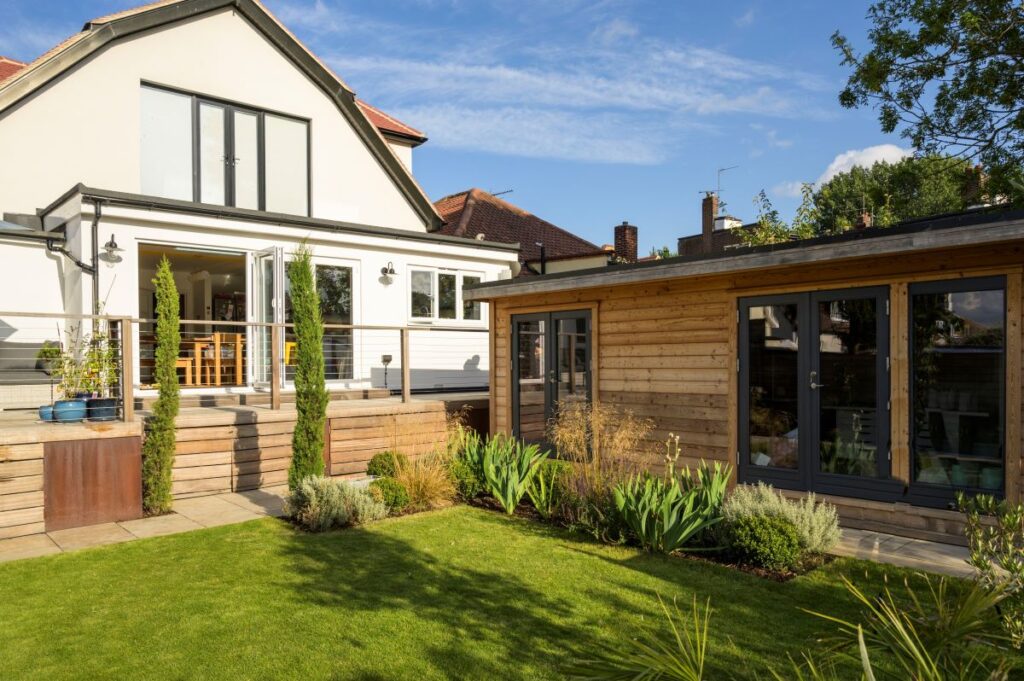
column 814, row 392
column 266, row 290
column 551, row 364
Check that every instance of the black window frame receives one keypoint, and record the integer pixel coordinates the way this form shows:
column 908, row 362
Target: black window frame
column 230, row 107
column 930, row 494
column 807, row 475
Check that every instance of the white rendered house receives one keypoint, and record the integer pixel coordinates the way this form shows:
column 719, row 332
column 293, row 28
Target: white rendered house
column 204, row 131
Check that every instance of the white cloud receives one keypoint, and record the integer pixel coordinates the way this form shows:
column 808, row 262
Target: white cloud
column 864, row 158
column 538, row 133
column 745, row 19
column 614, row 32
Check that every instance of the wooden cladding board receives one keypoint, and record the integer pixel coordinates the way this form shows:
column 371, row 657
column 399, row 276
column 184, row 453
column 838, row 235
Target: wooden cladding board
column 355, row 439
column 666, row 350
column 21, row 490
column 212, row 457
column 87, row 482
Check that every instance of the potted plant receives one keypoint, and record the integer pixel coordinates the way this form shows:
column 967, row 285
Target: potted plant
column 100, row 370
column 73, row 407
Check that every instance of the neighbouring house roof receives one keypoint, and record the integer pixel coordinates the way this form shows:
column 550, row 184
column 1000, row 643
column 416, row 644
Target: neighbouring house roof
column 8, row 67
column 370, row 123
column 971, row 228
column 391, row 126
column 721, row 240
column 475, row 213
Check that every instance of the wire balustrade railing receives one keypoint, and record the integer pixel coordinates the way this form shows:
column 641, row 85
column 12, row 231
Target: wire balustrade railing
column 109, row 362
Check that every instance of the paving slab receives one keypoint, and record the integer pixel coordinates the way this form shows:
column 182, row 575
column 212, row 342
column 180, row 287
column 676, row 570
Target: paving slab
column 87, row 537
column 267, row 501
column 32, row 546
column 159, row 526
column 916, row 554
column 214, row 511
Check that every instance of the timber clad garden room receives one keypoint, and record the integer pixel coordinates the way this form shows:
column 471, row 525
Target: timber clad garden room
column 880, row 369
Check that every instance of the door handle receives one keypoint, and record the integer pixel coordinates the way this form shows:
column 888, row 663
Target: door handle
column 814, row 384
column 551, row 376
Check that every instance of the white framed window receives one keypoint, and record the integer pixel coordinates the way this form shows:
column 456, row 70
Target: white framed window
column 435, row 295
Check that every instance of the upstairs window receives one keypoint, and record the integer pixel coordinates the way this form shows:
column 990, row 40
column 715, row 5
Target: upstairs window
column 436, row 295
column 197, row 149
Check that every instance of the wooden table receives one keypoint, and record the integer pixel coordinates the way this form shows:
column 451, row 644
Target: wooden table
column 218, row 340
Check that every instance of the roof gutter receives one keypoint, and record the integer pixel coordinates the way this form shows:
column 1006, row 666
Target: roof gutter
column 947, row 232
column 114, row 198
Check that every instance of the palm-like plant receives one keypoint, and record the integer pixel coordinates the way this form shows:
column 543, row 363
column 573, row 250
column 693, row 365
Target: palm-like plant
column 680, row 655
column 952, row 634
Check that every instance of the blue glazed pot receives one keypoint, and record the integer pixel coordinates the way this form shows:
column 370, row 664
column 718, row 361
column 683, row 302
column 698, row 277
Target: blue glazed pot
column 69, row 411
column 46, row 412
column 102, row 409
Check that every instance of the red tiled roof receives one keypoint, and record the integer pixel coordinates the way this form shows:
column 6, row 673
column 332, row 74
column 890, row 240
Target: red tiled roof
column 388, row 124
column 8, row 67
column 475, row 212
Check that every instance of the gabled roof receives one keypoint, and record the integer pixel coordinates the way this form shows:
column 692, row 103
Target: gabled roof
column 474, row 212
column 22, row 82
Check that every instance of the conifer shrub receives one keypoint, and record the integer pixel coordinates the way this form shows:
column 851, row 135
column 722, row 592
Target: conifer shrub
column 158, row 449
column 310, row 383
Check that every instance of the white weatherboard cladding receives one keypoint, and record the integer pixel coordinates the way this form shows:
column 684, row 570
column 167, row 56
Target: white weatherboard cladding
column 86, row 127
column 450, row 358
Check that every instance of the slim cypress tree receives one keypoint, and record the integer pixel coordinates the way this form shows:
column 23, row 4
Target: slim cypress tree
column 158, row 450
column 310, row 386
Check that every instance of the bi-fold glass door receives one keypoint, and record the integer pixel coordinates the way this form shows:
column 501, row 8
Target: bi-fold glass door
column 814, row 392
column 550, row 365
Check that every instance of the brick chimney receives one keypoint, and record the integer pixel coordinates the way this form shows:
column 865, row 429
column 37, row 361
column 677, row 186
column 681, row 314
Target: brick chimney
column 708, row 213
column 625, row 242
column 864, row 220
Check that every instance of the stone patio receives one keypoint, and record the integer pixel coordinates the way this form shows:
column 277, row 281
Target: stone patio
column 909, row 553
column 188, row 515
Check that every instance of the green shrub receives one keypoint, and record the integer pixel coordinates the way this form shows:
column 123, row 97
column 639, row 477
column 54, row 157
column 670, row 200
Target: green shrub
column 310, row 385
column 469, row 482
column 319, row 503
column 509, row 467
column 548, row 487
column 158, row 449
column 667, row 512
column 997, row 554
column 392, row 493
column 817, row 523
column 767, row 541
column 387, row 464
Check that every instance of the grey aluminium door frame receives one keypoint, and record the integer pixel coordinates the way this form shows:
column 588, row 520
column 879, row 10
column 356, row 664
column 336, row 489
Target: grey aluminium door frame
column 550, row 360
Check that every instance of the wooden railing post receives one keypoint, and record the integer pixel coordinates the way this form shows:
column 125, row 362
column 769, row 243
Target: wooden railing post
column 275, row 366
column 406, row 382
column 127, row 370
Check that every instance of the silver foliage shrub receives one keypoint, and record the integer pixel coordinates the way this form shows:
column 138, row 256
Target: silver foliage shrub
column 319, row 503
column 817, row 523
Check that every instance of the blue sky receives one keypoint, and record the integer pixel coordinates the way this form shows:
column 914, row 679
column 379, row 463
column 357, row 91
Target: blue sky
column 591, row 112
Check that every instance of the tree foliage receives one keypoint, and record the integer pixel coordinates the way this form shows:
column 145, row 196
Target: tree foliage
column 158, row 449
column 949, row 75
column 911, row 188
column 310, row 385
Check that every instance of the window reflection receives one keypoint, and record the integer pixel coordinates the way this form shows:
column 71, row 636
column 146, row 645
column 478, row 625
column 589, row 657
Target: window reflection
column 958, row 393
column 774, row 347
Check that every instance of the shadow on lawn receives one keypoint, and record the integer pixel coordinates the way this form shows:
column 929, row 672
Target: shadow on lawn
column 494, row 622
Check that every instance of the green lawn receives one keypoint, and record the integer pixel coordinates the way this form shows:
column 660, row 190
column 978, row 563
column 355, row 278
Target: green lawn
column 461, row 593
